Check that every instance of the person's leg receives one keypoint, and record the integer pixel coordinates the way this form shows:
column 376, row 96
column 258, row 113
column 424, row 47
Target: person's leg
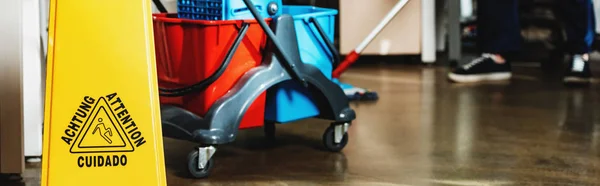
column 498, row 26
column 498, row 32
column 580, row 25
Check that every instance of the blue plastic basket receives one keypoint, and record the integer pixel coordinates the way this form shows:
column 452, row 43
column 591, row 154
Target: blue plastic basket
column 225, row 9
column 289, row 101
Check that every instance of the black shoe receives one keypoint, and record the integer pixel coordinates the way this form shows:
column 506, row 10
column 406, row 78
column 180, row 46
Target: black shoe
column 579, row 71
column 483, row 68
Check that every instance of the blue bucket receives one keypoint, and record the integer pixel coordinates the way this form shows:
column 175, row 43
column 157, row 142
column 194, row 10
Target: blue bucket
column 288, row 101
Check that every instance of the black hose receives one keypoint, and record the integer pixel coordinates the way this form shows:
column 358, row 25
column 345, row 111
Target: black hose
column 176, row 92
column 160, row 6
column 334, row 51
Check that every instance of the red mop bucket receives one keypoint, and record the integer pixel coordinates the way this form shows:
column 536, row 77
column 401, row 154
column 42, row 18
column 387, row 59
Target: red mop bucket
column 189, row 51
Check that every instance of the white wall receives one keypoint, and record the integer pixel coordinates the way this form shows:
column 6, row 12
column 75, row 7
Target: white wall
column 44, row 7
column 33, row 105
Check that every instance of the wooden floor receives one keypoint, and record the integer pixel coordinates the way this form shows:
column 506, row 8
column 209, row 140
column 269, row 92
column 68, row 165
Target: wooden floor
column 424, row 131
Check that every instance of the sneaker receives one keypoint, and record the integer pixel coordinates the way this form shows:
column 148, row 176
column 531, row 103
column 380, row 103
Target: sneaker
column 579, row 71
column 483, row 68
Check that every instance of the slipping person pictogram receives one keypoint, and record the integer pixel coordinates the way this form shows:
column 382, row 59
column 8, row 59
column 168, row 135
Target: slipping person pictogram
column 102, row 130
column 100, row 127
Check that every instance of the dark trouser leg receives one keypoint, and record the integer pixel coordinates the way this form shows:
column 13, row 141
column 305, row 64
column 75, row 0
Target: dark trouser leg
column 498, row 26
column 580, row 25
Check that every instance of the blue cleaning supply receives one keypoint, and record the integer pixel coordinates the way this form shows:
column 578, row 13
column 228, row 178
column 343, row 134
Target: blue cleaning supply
column 214, row 10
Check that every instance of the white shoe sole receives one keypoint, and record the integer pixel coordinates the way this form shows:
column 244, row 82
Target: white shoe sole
column 499, row 76
column 576, row 80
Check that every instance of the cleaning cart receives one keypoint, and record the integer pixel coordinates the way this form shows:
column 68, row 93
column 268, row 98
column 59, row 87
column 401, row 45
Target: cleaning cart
column 211, row 87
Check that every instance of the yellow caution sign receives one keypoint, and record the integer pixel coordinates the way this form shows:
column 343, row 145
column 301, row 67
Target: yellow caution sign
column 102, row 112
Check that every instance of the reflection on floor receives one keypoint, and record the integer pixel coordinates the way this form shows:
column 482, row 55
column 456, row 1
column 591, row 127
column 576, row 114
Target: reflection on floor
column 424, row 131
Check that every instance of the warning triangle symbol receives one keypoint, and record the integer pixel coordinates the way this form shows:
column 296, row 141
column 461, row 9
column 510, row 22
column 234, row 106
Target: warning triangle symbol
column 102, row 132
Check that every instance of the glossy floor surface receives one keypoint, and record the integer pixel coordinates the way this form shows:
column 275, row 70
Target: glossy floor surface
column 424, row 131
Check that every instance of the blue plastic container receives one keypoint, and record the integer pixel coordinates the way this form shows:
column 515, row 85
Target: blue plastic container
column 225, row 9
column 288, row 101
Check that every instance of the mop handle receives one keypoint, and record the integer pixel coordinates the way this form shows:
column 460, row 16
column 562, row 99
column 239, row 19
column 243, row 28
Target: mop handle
column 353, row 55
column 386, row 20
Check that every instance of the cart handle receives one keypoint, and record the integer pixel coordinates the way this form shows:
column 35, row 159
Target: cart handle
column 287, row 63
column 334, row 51
column 202, row 85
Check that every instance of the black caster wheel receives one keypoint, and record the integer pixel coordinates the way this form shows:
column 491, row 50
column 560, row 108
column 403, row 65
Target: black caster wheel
column 270, row 130
column 329, row 140
column 193, row 169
